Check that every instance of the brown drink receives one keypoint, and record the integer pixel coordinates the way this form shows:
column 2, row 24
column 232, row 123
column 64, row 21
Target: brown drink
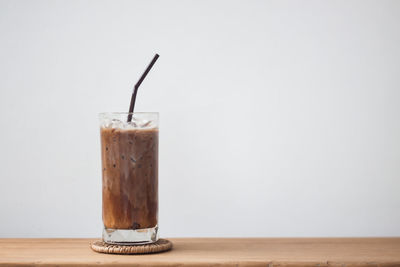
column 129, row 154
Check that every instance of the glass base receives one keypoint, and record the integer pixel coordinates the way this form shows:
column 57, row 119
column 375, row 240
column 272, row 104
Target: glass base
column 130, row 237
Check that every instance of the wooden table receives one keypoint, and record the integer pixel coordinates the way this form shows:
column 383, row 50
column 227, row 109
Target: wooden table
column 268, row 252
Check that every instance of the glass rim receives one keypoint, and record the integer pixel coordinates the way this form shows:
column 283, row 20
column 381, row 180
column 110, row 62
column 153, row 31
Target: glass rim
column 127, row 113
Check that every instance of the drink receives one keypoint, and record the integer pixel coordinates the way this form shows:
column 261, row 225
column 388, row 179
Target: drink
column 130, row 177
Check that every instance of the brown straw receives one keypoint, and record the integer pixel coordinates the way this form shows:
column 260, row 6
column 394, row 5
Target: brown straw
column 133, row 98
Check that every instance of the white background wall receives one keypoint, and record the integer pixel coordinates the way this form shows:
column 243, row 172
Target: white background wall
column 278, row 118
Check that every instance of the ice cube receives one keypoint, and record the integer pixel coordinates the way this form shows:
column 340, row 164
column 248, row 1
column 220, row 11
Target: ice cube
column 106, row 123
column 132, row 124
column 146, row 124
column 135, row 123
column 116, row 124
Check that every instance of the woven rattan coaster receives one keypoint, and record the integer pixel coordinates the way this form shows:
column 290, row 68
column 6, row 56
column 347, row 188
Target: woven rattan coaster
column 160, row 246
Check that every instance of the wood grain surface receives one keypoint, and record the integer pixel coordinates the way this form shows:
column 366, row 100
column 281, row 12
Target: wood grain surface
column 269, row 252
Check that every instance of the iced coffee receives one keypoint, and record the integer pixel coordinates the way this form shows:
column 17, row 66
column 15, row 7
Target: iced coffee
column 129, row 153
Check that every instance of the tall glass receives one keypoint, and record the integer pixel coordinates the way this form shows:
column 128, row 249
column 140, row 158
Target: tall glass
column 129, row 154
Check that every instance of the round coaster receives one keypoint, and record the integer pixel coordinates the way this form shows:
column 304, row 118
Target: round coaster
column 160, row 246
